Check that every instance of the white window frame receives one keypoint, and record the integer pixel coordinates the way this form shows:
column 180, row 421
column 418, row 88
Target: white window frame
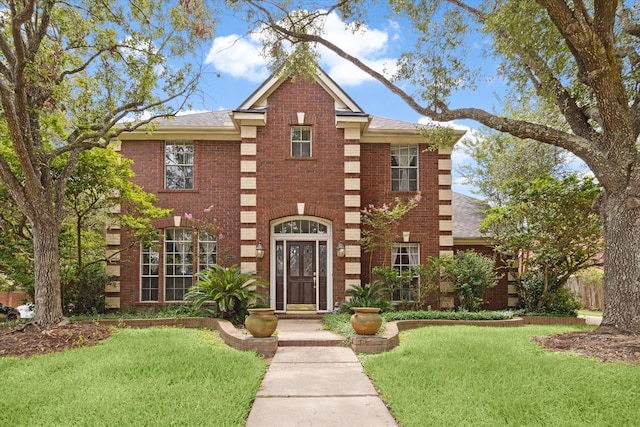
column 176, row 271
column 186, row 168
column 301, row 141
column 150, row 253
column 412, row 258
column 404, row 156
column 207, row 250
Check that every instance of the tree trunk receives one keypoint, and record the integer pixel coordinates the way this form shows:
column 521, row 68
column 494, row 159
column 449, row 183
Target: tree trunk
column 621, row 263
column 48, row 303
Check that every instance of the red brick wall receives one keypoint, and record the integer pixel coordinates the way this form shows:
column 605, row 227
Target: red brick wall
column 284, row 181
column 422, row 222
column 217, row 183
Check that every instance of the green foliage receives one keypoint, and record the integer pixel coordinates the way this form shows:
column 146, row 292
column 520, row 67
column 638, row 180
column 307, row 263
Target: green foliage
column 548, row 223
column 340, row 323
column 372, row 294
column 379, row 224
column 500, row 159
column 447, row 315
column 83, row 291
column 231, row 291
column 535, row 297
column 471, row 274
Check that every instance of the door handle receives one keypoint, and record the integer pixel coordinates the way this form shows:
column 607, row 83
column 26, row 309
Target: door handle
column 314, row 280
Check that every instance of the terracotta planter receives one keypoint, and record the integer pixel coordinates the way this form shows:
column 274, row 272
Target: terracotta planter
column 366, row 320
column 261, row 322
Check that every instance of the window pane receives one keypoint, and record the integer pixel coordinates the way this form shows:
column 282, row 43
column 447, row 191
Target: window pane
column 301, row 141
column 207, row 250
column 178, row 262
column 178, row 165
column 404, row 256
column 149, row 262
column 404, row 168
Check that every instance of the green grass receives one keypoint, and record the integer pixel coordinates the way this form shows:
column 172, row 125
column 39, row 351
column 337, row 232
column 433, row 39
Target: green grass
column 138, row 377
column 590, row 313
column 473, row 376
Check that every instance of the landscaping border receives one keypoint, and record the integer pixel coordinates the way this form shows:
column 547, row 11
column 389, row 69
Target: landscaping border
column 229, row 333
column 389, row 338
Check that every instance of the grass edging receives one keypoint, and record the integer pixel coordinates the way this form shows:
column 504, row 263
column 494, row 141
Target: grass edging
column 389, row 338
column 229, row 333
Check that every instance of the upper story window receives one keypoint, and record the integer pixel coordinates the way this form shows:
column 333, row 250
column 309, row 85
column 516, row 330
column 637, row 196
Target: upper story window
column 301, row 141
column 404, row 168
column 178, row 165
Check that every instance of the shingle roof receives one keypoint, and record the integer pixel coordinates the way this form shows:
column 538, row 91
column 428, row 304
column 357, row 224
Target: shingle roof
column 467, row 215
column 386, row 123
column 220, row 118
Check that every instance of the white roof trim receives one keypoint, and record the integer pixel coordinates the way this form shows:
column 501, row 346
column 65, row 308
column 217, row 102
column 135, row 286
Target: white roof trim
column 259, row 98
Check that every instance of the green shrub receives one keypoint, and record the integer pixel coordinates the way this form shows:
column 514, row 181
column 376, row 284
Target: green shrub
column 231, row 291
column 372, row 294
column 447, row 315
column 533, row 298
column 84, row 290
column 471, row 274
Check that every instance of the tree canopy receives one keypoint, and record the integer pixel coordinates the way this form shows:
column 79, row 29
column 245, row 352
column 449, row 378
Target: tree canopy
column 69, row 73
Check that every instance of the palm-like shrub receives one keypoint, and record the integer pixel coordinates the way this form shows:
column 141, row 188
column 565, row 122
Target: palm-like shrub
column 231, row 291
column 372, row 294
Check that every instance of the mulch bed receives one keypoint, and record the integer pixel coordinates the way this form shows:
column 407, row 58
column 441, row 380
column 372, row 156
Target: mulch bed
column 599, row 344
column 30, row 339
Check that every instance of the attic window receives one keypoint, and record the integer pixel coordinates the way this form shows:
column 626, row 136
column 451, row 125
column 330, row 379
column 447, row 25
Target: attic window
column 301, row 141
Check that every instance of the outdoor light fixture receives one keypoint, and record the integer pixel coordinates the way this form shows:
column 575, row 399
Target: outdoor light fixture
column 259, row 250
column 340, row 249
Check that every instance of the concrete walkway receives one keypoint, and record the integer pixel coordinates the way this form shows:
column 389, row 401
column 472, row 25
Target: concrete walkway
column 591, row 320
column 315, row 385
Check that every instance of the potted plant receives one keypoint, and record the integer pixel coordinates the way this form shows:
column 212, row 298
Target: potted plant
column 231, row 290
column 261, row 322
column 365, row 303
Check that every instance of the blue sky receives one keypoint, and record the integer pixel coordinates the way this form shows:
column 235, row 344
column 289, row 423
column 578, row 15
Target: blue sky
column 234, row 69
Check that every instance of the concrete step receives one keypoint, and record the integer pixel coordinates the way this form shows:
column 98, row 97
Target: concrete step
column 310, row 342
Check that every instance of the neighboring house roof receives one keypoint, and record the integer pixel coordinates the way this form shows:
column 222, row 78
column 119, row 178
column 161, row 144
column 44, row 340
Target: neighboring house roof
column 467, row 215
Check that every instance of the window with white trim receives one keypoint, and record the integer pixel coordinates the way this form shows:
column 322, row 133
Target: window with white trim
column 149, row 277
column 178, row 165
column 404, row 168
column 301, row 141
column 207, row 250
column 177, row 251
column 178, row 263
column 403, row 257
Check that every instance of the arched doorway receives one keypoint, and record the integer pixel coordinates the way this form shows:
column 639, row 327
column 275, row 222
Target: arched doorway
column 301, row 268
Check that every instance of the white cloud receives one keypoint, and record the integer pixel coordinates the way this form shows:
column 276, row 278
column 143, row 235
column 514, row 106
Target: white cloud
column 240, row 56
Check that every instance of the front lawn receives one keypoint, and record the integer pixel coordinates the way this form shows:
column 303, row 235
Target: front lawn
column 465, row 375
column 138, row 377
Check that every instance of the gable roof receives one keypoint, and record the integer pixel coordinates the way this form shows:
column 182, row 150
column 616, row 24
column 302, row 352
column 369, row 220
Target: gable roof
column 258, row 99
column 468, row 212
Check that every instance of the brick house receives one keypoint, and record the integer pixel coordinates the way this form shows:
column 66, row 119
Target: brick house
column 285, row 175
